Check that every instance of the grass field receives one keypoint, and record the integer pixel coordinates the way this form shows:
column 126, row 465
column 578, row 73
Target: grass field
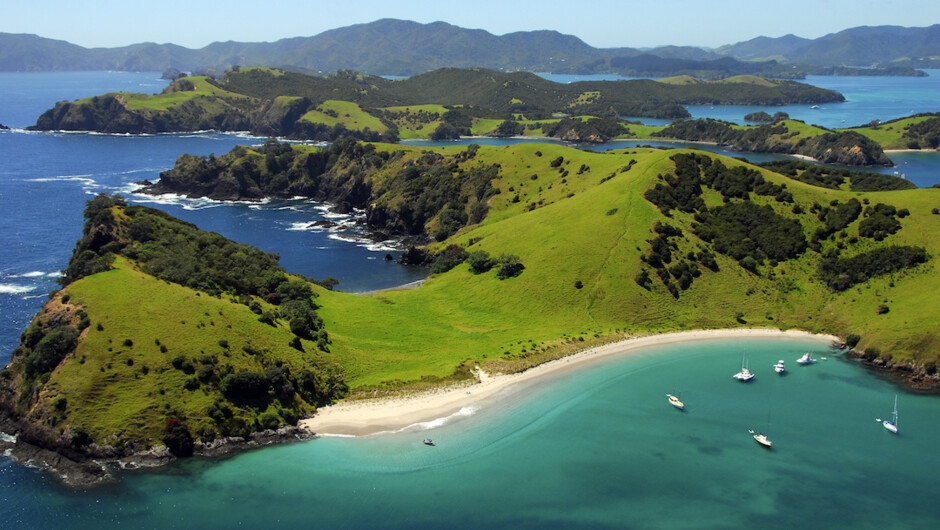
column 347, row 113
column 203, row 88
column 889, row 134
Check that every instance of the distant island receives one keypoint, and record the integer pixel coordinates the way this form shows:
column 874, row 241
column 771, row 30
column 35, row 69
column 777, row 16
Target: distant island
column 451, row 103
column 402, row 47
column 166, row 341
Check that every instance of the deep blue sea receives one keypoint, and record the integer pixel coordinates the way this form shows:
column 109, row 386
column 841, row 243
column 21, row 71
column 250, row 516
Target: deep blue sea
column 595, row 447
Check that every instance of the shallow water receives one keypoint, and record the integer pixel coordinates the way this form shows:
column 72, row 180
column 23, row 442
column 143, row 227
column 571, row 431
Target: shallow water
column 596, row 446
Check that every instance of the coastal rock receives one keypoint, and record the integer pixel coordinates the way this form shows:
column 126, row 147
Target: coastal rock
column 156, row 456
column 2, row 127
column 72, row 472
column 415, row 256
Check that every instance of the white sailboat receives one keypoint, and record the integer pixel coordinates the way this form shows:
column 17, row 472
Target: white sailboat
column 892, row 424
column 744, row 375
column 675, row 402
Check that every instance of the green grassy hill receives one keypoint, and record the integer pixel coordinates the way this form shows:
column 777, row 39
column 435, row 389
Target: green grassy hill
column 613, row 244
column 921, row 131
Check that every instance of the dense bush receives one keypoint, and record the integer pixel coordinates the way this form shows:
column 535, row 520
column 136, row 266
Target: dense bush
column 480, row 261
column 245, row 387
column 839, row 274
column 832, row 178
column 880, row 221
column 741, row 229
column 509, row 266
column 50, row 350
column 177, row 438
column 448, row 258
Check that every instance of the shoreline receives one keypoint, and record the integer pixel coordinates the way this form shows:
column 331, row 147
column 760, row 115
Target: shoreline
column 390, row 414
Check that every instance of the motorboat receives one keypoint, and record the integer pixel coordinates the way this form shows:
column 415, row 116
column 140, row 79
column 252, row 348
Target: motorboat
column 805, row 359
column 428, row 441
column 675, row 402
column 779, row 367
column 762, row 439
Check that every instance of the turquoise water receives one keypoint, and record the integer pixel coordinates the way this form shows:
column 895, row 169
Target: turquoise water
column 597, row 446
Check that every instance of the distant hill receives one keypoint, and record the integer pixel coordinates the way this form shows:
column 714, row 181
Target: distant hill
column 401, row 47
column 862, row 46
column 764, row 47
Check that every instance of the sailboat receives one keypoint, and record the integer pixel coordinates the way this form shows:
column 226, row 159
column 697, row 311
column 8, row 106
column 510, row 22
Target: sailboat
column 675, row 402
column 761, row 438
column 892, row 424
column 744, row 375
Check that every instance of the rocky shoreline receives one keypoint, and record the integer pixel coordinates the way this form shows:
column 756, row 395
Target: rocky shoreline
column 100, row 467
column 915, row 377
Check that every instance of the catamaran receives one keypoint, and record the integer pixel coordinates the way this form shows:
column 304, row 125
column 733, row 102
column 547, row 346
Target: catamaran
column 745, row 374
column 892, row 424
column 805, row 359
column 779, row 367
column 675, row 402
column 762, row 439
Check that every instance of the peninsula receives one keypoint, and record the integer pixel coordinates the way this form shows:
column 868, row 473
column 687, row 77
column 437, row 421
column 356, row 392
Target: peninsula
column 167, row 341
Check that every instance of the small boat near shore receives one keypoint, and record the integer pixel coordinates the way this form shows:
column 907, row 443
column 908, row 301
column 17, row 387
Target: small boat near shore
column 428, row 441
column 762, row 439
column 779, row 367
column 805, row 359
column 744, row 375
column 892, row 424
column 675, row 402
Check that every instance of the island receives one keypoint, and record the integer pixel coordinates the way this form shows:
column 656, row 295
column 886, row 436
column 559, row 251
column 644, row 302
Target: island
column 452, row 103
column 271, row 102
column 166, row 341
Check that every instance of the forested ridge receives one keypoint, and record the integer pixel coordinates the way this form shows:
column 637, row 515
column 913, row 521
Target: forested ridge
column 273, row 102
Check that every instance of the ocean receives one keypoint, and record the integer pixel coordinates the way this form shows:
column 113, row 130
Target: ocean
column 594, row 447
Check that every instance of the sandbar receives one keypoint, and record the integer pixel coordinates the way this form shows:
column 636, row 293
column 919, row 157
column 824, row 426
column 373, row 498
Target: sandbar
column 389, row 414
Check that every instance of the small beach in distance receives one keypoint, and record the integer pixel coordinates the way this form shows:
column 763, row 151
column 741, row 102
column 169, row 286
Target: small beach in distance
column 390, row 414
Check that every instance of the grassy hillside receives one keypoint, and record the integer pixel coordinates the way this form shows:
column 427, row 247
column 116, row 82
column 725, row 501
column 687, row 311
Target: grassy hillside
column 921, row 131
column 611, row 244
column 596, row 231
column 345, row 113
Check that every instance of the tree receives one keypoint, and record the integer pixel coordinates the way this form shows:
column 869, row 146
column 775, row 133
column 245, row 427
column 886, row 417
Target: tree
column 177, row 438
column 509, row 266
column 445, row 131
column 480, row 261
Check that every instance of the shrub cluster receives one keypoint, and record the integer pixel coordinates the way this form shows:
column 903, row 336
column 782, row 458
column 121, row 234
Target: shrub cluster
column 880, row 221
column 841, row 273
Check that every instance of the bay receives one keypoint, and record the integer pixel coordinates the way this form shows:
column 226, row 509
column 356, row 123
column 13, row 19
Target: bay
column 594, row 447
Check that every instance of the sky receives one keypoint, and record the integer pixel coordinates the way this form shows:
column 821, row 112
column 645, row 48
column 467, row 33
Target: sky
column 600, row 23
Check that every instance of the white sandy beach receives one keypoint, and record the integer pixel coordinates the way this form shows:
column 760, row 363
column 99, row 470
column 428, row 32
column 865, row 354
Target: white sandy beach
column 370, row 416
